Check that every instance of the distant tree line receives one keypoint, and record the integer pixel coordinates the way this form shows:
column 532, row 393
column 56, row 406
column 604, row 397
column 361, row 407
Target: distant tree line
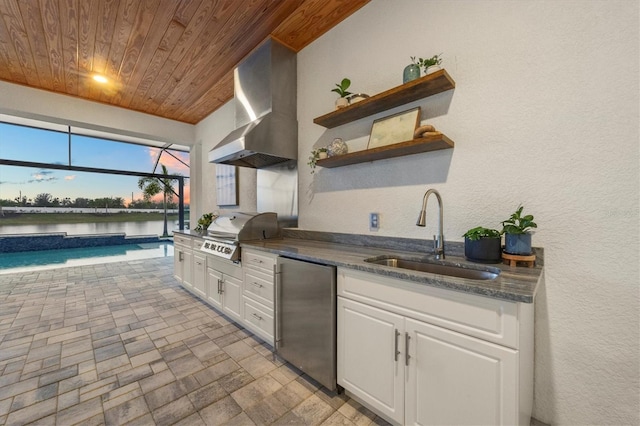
column 48, row 200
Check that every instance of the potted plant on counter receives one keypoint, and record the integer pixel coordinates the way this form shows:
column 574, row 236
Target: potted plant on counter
column 517, row 234
column 204, row 222
column 341, row 89
column 482, row 245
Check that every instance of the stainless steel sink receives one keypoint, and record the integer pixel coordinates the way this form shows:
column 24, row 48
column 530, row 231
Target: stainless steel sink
column 435, row 268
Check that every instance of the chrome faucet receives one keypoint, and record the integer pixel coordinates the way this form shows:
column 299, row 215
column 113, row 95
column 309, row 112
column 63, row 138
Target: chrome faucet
column 438, row 242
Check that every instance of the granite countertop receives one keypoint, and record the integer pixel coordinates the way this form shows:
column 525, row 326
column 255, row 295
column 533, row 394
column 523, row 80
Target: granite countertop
column 189, row 232
column 517, row 284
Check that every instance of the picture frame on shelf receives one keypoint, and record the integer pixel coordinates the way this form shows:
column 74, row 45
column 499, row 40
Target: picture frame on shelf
column 394, row 128
column 226, row 185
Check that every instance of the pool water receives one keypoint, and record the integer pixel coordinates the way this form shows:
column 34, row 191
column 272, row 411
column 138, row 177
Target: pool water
column 28, row 261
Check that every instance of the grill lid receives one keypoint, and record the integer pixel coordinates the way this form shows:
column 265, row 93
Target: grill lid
column 241, row 226
column 227, row 231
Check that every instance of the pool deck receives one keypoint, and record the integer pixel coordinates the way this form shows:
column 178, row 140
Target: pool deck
column 124, row 343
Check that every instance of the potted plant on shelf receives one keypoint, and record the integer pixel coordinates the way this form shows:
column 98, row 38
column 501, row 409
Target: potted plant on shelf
column 482, row 245
column 431, row 64
column 316, row 154
column 341, row 89
column 517, row 234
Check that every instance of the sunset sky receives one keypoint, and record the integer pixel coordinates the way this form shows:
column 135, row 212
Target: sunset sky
column 27, row 144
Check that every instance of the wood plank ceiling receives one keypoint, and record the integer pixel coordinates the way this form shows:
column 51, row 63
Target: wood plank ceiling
column 170, row 58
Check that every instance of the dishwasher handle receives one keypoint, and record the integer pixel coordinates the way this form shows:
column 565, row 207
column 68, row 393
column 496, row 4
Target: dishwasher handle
column 276, row 305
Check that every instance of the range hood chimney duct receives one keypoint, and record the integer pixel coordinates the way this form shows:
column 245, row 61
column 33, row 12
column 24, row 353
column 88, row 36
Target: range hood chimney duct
column 265, row 118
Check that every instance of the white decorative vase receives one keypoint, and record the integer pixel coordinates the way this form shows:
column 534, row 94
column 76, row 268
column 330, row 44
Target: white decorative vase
column 341, row 103
column 432, row 69
column 337, row 147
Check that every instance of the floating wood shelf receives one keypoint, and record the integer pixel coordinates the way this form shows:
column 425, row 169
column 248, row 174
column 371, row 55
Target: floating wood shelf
column 420, row 88
column 430, row 143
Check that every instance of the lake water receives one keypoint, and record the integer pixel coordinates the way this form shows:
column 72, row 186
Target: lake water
column 153, row 227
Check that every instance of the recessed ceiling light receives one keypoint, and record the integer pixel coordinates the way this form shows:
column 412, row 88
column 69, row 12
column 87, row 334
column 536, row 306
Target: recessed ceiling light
column 100, row 78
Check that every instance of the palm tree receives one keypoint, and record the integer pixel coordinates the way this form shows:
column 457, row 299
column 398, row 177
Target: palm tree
column 152, row 186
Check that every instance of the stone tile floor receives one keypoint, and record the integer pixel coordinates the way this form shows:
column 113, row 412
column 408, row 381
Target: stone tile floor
column 124, row 343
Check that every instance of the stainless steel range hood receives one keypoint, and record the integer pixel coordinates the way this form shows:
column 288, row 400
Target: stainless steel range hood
column 265, row 102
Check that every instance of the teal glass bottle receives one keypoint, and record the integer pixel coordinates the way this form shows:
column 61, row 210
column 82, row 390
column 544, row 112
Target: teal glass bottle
column 411, row 72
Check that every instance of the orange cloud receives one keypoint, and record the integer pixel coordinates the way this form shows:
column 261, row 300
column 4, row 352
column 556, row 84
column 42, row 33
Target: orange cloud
column 172, row 164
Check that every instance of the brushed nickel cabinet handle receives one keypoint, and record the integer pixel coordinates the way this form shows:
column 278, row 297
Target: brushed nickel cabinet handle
column 406, row 349
column 396, row 351
column 258, row 317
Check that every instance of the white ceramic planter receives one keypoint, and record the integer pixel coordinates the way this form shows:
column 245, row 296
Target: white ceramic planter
column 432, row 69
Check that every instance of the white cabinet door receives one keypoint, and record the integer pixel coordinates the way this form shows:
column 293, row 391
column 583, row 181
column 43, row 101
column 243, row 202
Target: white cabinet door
column 187, row 269
column 214, row 288
column 200, row 275
column 371, row 356
column 232, row 297
column 453, row 379
column 178, row 262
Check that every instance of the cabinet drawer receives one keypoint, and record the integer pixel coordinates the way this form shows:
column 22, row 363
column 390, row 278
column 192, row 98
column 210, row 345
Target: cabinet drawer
column 260, row 261
column 259, row 286
column 489, row 319
column 259, row 319
column 224, row 266
column 182, row 240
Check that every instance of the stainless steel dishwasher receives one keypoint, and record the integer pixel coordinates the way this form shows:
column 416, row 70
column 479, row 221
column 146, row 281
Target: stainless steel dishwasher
column 306, row 318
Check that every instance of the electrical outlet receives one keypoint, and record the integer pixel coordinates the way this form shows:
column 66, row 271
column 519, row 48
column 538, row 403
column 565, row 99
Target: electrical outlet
column 374, row 221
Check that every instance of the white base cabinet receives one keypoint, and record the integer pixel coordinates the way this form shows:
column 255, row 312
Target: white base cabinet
column 199, row 274
column 416, row 366
column 456, row 379
column 224, row 287
column 183, row 261
column 258, row 295
column 244, row 293
column 369, row 364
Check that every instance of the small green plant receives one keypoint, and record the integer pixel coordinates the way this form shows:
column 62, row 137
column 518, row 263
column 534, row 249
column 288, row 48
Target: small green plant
column 478, row 232
column 434, row 60
column 205, row 221
column 314, row 157
column 341, row 89
column 426, row 63
column 518, row 224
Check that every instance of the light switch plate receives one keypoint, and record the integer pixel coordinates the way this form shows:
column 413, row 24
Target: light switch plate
column 374, row 221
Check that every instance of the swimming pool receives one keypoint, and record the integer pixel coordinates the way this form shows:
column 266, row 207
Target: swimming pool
column 27, row 261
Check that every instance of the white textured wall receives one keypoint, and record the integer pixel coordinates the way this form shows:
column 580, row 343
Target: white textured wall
column 545, row 113
column 209, row 132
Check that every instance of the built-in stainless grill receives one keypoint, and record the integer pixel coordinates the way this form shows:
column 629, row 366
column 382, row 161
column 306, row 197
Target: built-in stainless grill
column 226, row 233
